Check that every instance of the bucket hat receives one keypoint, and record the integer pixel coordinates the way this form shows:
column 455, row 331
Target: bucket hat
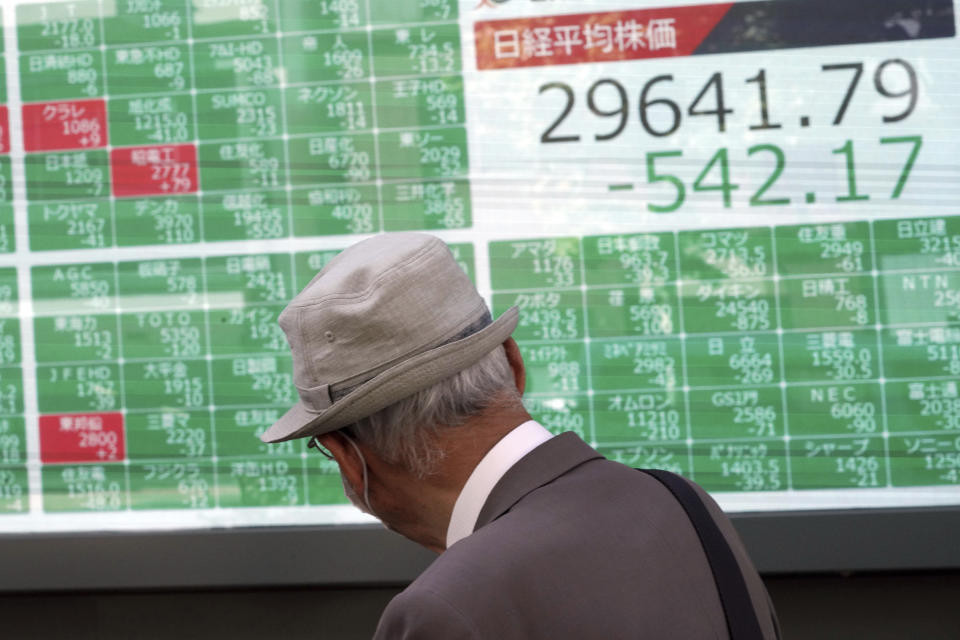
column 387, row 317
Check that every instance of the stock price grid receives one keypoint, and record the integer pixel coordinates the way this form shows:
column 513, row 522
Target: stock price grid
column 732, row 230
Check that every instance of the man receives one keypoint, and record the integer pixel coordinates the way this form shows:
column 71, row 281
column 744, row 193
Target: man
column 415, row 391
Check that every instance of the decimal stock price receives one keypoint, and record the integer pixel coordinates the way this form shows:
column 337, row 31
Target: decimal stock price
column 716, row 175
column 661, row 116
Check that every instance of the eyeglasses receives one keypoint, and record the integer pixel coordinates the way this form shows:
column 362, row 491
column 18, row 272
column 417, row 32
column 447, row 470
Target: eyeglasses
column 314, row 443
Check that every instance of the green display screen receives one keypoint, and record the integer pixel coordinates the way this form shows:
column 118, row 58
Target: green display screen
column 732, row 230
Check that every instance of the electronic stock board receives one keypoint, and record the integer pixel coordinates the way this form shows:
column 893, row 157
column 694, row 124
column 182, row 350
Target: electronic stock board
column 732, row 229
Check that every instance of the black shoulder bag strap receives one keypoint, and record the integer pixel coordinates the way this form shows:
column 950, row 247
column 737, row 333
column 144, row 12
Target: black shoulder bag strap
column 741, row 617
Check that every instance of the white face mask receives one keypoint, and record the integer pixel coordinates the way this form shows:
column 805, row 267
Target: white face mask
column 348, row 490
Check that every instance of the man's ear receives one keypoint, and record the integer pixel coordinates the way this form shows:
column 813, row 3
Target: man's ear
column 351, row 467
column 516, row 363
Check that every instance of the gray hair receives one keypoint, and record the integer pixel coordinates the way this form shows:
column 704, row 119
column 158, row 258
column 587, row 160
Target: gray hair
column 403, row 433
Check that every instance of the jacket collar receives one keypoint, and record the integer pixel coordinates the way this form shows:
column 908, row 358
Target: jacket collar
column 547, row 462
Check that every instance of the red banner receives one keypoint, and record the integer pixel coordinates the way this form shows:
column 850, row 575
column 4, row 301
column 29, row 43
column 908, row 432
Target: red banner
column 594, row 37
column 4, row 129
column 58, row 126
column 154, row 171
column 82, row 437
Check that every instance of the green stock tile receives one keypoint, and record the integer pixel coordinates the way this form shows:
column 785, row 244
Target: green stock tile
column 841, row 409
column 11, row 391
column 923, row 405
column 255, row 164
column 84, row 487
column 409, row 206
column 166, row 119
column 6, row 180
column 329, row 108
column 640, row 260
column 9, row 292
column 261, row 482
column 925, row 460
column 58, row 25
column 241, row 330
column 246, row 279
column 388, row 12
column 419, row 154
column 76, row 338
column 405, row 103
column 163, row 334
column 838, row 463
column 70, row 225
column 827, row 301
column 636, row 418
column 172, row 484
column 165, row 220
column 669, row 456
column 148, row 68
column 917, row 243
column 309, row 263
column 326, row 57
column 326, row 211
column 315, row 16
column 535, row 264
column 726, row 253
column 733, row 360
column 61, row 75
column 555, row 368
column 14, row 490
column 238, row 433
column 245, row 215
column 633, row 311
column 9, row 341
column 919, row 297
column 176, row 283
column 544, row 315
column 168, row 434
column 839, row 247
column 239, row 113
column 743, row 412
column 73, row 288
column 7, row 236
column 146, row 21
column 68, row 175
column 13, row 440
column 166, row 384
column 230, row 64
column 728, row 305
column 333, row 159
column 78, row 388
column 919, row 352
column 219, row 19
column 741, row 466
column 254, row 380
column 561, row 413
column 324, row 485
column 636, row 364
column 830, row 356
column 417, row 50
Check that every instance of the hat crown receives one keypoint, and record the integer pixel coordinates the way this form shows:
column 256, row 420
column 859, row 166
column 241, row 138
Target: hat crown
column 375, row 304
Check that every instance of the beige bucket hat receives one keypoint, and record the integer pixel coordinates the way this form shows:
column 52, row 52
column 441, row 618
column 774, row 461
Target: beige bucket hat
column 384, row 319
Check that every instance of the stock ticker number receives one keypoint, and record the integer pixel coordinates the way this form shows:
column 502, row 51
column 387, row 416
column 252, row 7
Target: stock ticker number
column 602, row 90
column 660, row 117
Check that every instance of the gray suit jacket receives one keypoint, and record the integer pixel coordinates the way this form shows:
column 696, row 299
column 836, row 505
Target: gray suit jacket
column 571, row 545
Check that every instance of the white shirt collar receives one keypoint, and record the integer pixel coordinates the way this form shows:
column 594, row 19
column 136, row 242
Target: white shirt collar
column 513, row 446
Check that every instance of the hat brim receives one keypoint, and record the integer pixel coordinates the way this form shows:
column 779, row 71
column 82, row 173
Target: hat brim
column 394, row 384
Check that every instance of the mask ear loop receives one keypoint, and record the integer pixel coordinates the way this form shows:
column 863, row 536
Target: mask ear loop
column 366, row 485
